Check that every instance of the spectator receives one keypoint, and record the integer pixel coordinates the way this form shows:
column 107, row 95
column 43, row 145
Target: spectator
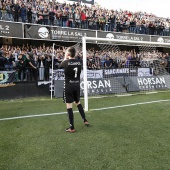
column 48, row 64
column 45, row 16
column 40, row 17
column 34, row 16
column 83, row 20
column 77, row 19
column 9, row 11
column 108, row 62
column 3, row 10
column 32, row 71
column 9, row 61
column 51, row 16
column 41, row 65
column 2, row 59
column 29, row 15
column 23, row 62
column 16, row 10
column 0, row 10
column 59, row 17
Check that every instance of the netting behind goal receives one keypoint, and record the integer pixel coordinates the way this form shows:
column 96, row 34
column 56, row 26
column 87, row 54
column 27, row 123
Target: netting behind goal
column 114, row 67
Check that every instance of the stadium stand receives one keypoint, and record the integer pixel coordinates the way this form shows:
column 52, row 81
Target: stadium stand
column 76, row 15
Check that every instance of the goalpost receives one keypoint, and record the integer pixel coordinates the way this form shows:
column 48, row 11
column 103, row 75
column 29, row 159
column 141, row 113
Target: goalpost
column 126, row 77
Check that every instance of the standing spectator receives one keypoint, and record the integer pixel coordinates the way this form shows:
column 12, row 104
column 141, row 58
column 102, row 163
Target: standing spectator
column 33, row 71
column 108, row 62
column 9, row 61
column 48, row 63
column 23, row 12
column 132, row 25
column 41, row 64
column 40, row 17
column 112, row 22
column 70, row 18
column 4, row 11
column 45, row 16
column 167, row 61
column 16, row 10
column 102, row 22
column 0, row 10
column 108, row 24
column 151, row 27
column 29, row 15
column 23, row 62
column 77, row 19
column 58, row 17
column 9, row 11
column 83, row 20
column 64, row 18
column 34, row 16
column 51, row 16
column 1, row 60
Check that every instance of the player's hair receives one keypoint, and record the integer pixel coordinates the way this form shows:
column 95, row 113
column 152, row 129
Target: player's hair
column 72, row 52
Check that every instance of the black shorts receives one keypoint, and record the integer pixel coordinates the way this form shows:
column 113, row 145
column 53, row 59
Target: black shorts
column 71, row 95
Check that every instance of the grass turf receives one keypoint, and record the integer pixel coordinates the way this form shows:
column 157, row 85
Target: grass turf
column 128, row 138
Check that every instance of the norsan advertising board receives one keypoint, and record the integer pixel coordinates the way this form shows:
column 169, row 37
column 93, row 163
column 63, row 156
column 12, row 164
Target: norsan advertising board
column 148, row 83
column 95, row 86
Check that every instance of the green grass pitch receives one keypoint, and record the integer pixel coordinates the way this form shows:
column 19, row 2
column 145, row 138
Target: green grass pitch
column 125, row 138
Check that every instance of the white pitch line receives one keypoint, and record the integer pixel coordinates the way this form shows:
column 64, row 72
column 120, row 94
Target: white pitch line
column 105, row 108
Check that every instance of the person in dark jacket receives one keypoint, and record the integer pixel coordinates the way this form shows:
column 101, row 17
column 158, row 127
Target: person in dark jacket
column 29, row 15
column 1, row 60
column 16, row 10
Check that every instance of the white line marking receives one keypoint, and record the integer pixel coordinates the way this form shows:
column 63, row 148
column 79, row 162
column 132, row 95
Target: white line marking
column 105, row 108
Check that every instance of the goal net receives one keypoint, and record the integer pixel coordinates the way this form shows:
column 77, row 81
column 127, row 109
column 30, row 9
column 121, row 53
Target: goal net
column 122, row 67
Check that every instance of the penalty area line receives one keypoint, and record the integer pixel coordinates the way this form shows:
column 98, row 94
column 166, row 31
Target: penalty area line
column 61, row 113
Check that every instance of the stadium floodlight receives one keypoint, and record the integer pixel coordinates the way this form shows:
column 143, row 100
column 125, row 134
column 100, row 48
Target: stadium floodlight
column 124, row 83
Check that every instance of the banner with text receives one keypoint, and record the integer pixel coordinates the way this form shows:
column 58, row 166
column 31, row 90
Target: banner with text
column 56, row 33
column 11, row 29
column 160, row 39
column 148, row 83
column 122, row 36
column 95, row 86
column 88, row 1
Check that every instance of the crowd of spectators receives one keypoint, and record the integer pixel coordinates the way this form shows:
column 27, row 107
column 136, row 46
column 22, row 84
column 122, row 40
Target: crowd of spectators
column 76, row 15
column 33, row 63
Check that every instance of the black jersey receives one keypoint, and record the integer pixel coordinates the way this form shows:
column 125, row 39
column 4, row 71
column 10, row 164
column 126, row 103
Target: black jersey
column 72, row 71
